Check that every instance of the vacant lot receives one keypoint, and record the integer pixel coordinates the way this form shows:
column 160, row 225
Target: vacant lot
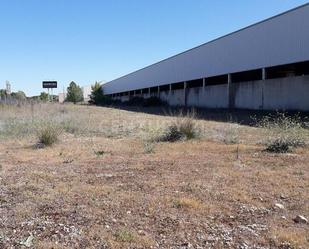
column 107, row 184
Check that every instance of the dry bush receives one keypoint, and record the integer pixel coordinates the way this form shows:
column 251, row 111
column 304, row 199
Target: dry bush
column 284, row 133
column 170, row 134
column 230, row 134
column 48, row 133
column 183, row 127
column 286, row 237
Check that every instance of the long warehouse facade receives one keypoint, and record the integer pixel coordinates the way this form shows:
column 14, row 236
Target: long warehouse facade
column 264, row 66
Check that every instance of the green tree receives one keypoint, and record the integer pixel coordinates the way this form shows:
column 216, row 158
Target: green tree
column 2, row 92
column 20, row 95
column 43, row 96
column 97, row 95
column 74, row 93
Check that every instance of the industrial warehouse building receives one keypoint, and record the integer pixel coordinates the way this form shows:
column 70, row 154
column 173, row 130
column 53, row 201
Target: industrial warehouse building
column 264, row 67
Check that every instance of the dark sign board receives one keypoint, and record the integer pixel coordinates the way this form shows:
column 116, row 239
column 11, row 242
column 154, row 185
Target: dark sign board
column 49, row 84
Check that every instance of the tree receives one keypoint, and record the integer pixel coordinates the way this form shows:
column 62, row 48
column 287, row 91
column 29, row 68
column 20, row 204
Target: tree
column 2, row 92
column 43, row 96
column 20, row 95
column 74, row 93
column 97, row 95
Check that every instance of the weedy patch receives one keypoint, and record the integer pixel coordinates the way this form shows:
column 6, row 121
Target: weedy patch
column 284, row 133
column 230, row 134
column 187, row 203
column 171, row 134
column 148, row 147
column 183, row 127
column 125, row 235
column 48, row 133
column 99, row 153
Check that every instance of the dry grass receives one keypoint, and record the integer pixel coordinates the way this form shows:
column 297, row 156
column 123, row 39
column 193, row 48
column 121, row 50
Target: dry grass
column 100, row 187
column 188, row 204
column 291, row 237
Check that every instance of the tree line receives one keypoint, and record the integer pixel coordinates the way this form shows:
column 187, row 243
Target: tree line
column 74, row 95
column 97, row 97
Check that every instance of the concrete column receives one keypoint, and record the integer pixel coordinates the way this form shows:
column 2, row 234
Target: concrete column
column 229, row 78
column 134, row 93
column 231, row 92
column 264, row 77
column 204, row 82
column 170, row 90
column 185, row 93
column 149, row 92
column 264, row 74
column 158, row 91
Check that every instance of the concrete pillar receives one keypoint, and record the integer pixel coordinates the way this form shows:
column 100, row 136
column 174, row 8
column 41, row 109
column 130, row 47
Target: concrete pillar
column 170, row 90
column 264, row 74
column 158, row 91
column 204, row 85
column 231, row 92
column 229, row 78
column 264, row 77
column 149, row 92
column 204, row 82
column 185, row 95
column 134, row 93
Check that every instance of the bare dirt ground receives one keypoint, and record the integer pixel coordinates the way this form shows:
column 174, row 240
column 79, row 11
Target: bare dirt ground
column 100, row 187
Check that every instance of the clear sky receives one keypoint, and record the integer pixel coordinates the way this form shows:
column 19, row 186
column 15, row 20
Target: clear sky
column 89, row 40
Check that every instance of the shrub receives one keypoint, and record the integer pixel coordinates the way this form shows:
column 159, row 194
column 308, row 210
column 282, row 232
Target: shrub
column 284, row 132
column 187, row 128
column 171, row 134
column 182, row 128
column 278, row 146
column 230, row 134
column 48, row 134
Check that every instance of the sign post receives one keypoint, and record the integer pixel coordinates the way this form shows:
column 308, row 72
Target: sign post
column 50, row 85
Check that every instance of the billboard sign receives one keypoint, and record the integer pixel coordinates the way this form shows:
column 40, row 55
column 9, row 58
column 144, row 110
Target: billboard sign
column 49, row 84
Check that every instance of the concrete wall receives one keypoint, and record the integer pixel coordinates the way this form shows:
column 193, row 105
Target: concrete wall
column 274, row 94
column 211, row 97
column 287, row 94
column 174, row 97
column 248, row 95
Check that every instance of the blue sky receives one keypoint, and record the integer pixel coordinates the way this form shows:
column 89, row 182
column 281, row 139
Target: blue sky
column 89, row 40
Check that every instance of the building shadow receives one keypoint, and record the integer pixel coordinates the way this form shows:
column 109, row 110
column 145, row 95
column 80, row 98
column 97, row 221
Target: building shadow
column 239, row 116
